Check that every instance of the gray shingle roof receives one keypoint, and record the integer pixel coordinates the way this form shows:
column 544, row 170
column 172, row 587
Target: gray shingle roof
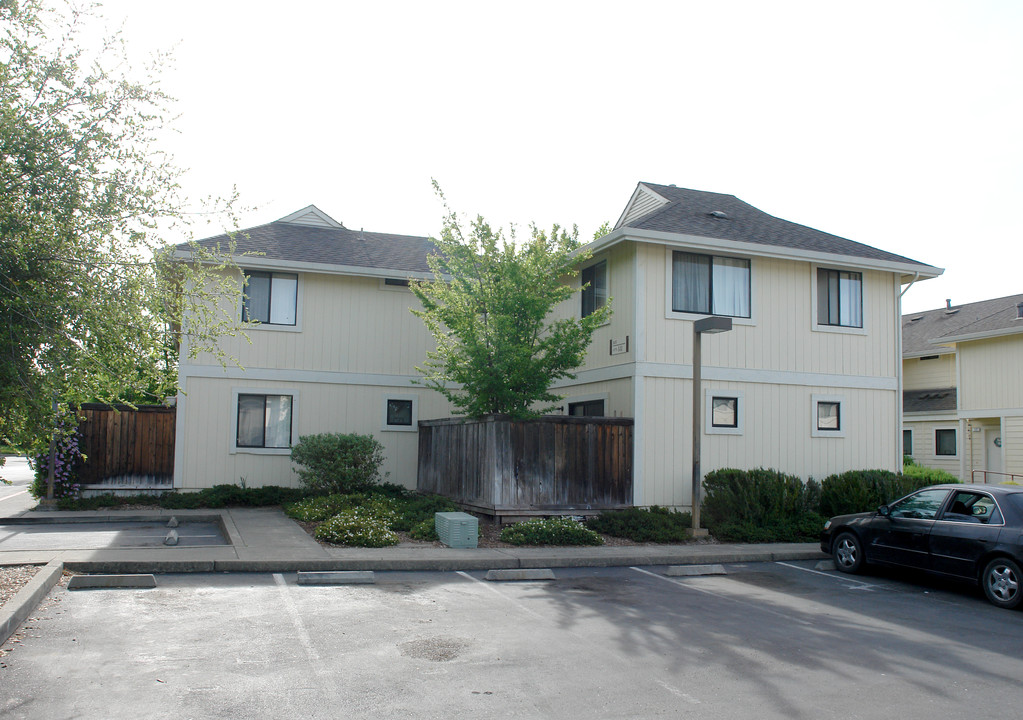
column 689, row 212
column 918, row 329
column 929, row 400
column 336, row 246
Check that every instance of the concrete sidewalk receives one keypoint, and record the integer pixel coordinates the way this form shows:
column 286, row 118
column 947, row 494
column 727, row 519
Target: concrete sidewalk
column 265, row 540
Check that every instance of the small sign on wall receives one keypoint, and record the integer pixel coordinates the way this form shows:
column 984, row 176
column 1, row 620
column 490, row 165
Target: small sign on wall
column 620, row 347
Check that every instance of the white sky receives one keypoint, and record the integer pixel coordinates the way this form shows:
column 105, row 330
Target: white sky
column 896, row 124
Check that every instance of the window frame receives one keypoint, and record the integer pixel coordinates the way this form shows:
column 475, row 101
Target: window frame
column 709, row 428
column 816, row 324
column 592, row 401
column 710, row 284
column 565, row 408
column 815, row 429
column 236, row 393
column 955, row 440
column 910, row 431
column 385, row 425
column 279, row 327
column 591, row 291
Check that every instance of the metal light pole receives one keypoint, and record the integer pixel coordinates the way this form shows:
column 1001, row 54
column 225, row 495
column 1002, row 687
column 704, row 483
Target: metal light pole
column 708, row 326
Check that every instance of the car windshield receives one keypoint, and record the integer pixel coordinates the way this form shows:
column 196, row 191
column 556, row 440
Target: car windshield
column 922, row 505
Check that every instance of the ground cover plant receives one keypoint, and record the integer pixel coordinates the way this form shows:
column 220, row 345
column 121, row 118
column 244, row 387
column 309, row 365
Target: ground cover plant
column 371, row 518
column 654, row 524
column 218, row 496
column 550, row 531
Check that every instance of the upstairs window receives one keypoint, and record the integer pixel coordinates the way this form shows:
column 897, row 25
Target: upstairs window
column 710, row 285
column 839, row 298
column 270, row 298
column 594, row 280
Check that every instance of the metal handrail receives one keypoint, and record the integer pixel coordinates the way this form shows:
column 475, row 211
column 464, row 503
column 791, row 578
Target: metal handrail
column 1009, row 477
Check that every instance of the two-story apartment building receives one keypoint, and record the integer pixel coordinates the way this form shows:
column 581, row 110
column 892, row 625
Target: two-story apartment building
column 963, row 388
column 808, row 381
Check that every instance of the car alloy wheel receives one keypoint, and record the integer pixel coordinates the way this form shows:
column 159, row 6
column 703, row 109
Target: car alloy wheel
column 1001, row 581
column 847, row 553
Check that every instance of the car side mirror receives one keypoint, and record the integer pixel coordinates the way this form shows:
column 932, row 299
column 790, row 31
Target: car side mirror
column 884, row 511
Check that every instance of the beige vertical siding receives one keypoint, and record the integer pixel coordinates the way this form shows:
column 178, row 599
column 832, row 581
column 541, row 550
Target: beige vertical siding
column 781, row 335
column 1012, row 442
column 777, row 424
column 924, row 444
column 940, row 372
column 347, row 324
column 619, row 395
column 991, row 373
column 208, row 413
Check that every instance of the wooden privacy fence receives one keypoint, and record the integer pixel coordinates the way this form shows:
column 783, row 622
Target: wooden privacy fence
column 546, row 466
column 125, row 442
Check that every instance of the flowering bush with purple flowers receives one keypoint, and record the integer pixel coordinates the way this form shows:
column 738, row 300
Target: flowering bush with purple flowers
column 67, row 460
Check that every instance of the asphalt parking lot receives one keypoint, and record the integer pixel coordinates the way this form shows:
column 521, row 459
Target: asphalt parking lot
column 769, row 640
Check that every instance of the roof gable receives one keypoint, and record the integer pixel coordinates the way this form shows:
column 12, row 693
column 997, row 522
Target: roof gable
column 312, row 239
column 312, row 216
column 726, row 217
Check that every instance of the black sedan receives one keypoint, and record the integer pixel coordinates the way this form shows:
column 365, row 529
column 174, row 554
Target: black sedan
column 972, row 532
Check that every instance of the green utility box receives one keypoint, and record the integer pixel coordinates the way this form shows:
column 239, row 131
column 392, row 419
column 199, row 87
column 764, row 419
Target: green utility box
column 457, row 529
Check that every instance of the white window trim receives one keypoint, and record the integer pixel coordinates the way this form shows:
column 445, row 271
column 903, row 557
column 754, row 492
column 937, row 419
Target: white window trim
column 843, row 417
column 268, row 327
column 740, row 407
column 840, row 329
column 586, row 398
column 671, row 314
column 235, row 392
column 934, row 440
column 414, row 427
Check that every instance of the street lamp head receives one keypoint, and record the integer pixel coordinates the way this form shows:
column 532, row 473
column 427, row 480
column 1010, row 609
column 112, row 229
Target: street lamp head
column 712, row 324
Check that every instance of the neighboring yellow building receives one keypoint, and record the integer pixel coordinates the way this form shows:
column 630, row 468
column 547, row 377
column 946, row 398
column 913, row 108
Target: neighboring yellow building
column 963, row 389
column 808, row 381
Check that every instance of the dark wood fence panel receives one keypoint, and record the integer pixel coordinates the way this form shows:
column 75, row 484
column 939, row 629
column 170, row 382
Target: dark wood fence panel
column 544, row 466
column 125, row 442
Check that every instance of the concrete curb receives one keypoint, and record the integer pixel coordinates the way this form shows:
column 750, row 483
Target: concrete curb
column 19, row 607
column 505, row 560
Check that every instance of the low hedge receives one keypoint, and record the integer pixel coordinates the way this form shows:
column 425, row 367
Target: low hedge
column 655, row 524
column 218, row 496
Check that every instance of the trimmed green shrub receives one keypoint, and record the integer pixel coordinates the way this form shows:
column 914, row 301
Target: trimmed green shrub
column 356, row 527
column 865, row 490
column 550, row 531
column 656, row 524
column 760, row 496
column 804, row 528
column 928, row 476
column 338, row 463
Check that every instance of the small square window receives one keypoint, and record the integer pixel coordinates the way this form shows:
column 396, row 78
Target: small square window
column 399, row 412
column 945, row 442
column 724, row 412
column 829, row 416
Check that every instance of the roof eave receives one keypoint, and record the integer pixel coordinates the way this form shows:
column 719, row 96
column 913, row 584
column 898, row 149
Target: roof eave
column 984, row 335
column 908, row 271
column 265, row 263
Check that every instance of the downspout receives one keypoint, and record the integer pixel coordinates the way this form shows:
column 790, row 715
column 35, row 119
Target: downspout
column 900, row 420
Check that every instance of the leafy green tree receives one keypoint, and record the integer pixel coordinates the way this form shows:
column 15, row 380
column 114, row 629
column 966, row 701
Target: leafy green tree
column 489, row 308
column 91, row 307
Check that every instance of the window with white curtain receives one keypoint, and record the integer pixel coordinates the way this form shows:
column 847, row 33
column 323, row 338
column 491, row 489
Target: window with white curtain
column 270, row 298
column 264, row 421
column 839, row 298
column 710, row 285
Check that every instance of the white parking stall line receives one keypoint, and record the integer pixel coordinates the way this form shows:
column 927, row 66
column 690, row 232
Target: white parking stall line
column 841, row 578
column 14, row 495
